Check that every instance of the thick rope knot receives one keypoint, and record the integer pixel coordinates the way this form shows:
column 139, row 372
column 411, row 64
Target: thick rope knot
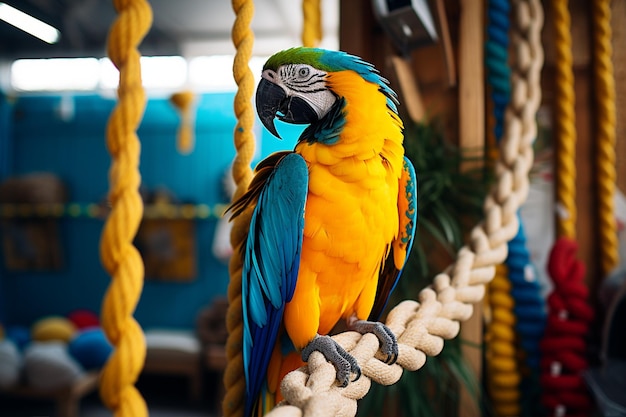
column 421, row 327
column 119, row 257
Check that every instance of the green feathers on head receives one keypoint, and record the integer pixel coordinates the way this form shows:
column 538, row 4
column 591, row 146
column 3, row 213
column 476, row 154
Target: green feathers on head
column 309, row 56
column 333, row 61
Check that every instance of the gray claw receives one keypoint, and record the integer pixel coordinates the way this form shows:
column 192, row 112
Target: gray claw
column 344, row 363
column 388, row 342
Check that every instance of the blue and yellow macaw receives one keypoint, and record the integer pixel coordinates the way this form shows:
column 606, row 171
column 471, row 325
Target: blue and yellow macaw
column 333, row 220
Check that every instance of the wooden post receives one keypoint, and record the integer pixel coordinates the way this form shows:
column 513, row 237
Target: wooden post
column 472, row 138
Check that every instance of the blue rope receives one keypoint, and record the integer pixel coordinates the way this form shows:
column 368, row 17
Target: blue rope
column 529, row 304
column 496, row 59
column 531, row 316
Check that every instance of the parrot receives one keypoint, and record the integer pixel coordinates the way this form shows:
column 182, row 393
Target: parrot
column 332, row 221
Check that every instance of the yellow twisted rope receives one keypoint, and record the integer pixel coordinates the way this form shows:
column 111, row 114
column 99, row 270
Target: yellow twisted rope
column 119, row 257
column 183, row 101
column 312, row 25
column 243, row 39
column 503, row 377
column 421, row 327
column 565, row 126
column 605, row 134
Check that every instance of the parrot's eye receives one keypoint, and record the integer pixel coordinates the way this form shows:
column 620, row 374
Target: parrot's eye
column 303, row 72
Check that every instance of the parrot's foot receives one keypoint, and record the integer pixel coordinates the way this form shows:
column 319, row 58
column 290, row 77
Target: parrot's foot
column 388, row 341
column 343, row 362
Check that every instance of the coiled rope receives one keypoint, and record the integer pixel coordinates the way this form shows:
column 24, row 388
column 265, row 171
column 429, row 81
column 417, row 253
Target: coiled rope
column 502, row 373
column 503, row 377
column 563, row 346
column 605, row 134
column 530, row 313
column 564, row 392
column 119, row 257
column 243, row 39
column 421, row 326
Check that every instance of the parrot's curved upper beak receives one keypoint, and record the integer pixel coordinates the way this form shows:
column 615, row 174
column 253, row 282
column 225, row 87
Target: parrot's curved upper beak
column 269, row 100
column 272, row 101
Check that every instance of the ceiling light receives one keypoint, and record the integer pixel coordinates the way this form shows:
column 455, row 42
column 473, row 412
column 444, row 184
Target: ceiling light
column 157, row 72
column 29, row 24
column 55, row 74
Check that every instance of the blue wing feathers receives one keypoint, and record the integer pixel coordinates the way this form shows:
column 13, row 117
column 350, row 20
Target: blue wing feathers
column 271, row 260
column 411, row 195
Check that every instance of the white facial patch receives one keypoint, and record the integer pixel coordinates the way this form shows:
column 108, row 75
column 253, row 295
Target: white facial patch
column 306, row 82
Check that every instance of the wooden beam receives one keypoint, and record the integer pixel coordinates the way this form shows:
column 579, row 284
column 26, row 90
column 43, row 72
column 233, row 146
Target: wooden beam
column 471, row 79
column 409, row 91
column 472, row 138
column 446, row 42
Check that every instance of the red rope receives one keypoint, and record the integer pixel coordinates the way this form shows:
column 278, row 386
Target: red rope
column 563, row 346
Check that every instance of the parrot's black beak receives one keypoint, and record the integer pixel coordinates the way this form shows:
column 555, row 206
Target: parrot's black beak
column 272, row 102
column 269, row 100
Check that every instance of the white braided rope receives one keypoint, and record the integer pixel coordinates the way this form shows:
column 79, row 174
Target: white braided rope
column 421, row 327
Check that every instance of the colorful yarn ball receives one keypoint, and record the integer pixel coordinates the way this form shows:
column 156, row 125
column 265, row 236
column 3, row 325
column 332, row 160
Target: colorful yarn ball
column 48, row 366
column 90, row 348
column 53, row 328
column 84, row 319
column 10, row 363
column 20, row 335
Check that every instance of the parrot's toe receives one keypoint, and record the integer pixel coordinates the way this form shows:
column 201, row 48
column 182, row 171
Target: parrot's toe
column 388, row 341
column 344, row 363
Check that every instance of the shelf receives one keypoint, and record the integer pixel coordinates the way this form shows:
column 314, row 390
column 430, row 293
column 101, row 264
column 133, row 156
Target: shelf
column 100, row 211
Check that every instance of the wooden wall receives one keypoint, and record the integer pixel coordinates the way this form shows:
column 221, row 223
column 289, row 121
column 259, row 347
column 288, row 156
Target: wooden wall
column 360, row 34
